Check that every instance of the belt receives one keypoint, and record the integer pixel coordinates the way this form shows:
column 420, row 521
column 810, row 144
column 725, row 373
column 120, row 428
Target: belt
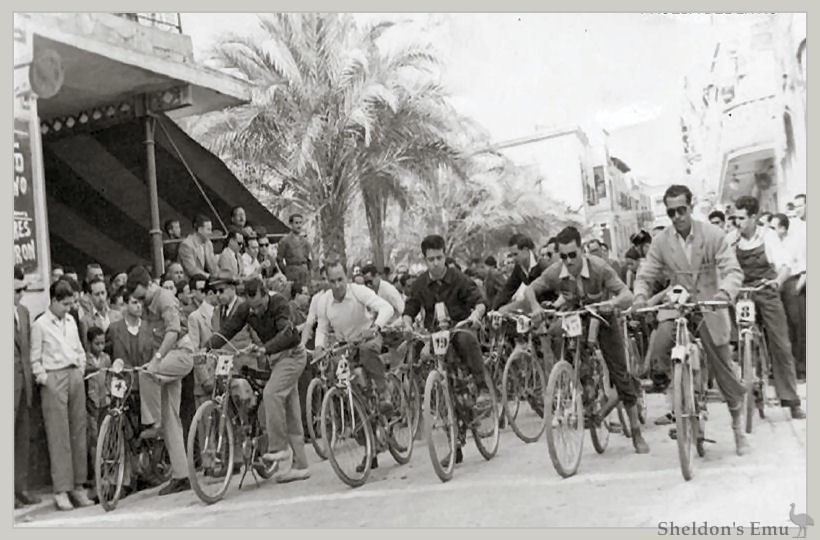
column 62, row 369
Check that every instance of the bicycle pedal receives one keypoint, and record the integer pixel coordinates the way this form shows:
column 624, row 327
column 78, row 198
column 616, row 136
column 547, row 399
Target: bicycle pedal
column 708, row 440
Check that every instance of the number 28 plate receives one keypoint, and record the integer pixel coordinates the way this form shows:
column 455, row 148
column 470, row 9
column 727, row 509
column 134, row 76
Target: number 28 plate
column 745, row 311
column 572, row 325
column 223, row 365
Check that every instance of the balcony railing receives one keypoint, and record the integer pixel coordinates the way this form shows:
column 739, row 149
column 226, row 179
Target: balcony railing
column 171, row 22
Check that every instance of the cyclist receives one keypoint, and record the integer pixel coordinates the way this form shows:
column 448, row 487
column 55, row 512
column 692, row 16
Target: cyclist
column 269, row 316
column 763, row 259
column 384, row 289
column 465, row 307
column 583, row 279
column 527, row 268
column 697, row 256
column 343, row 309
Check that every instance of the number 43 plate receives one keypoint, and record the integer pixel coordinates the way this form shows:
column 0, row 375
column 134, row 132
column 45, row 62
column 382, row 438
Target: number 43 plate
column 572, row 325
column 118, row 388
column 223, row 365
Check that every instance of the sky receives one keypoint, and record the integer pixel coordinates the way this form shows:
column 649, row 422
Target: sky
column 517, row 74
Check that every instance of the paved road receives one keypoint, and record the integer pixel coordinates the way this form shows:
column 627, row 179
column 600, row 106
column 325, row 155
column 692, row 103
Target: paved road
column 519, row 488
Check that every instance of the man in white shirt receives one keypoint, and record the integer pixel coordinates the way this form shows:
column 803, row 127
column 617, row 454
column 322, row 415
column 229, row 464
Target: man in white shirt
column 58, row 365
column 792, row 234
column 231, row 257
column 763, row 259
column 344, row 310
column 384, row 289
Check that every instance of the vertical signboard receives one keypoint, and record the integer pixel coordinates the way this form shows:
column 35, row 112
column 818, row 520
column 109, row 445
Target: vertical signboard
column 600, row 181
column 25, row 226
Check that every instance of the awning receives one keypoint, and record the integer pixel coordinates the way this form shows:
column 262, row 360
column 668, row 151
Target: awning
column 97, row 195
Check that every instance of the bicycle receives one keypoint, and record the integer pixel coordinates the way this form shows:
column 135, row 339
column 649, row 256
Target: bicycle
column 232, row 408
column 449, row 406
column 579, row 392
column 499, row 347
column 351, row 414
column 412, row 371
column 119, row 447
column 524, row 379
column 689, row 377
column 316, row 391
column 637, row 361
column 753, row 354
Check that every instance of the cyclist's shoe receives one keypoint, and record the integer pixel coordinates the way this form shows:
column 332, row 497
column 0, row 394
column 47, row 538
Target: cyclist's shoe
column 291, row 475
column 175, row 486
column 281, row 455
column 665, row 420
column 459, row 458
column 374, row 464
column 152, row 432
column 62, row 502
column 641, row 447
column 80, row 498
column 797, row 412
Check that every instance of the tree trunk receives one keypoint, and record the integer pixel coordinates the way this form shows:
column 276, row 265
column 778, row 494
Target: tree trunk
column 375, row 224
column 332, row 231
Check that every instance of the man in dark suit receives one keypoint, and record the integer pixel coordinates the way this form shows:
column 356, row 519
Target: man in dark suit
column 22, row 393
column 527, row 269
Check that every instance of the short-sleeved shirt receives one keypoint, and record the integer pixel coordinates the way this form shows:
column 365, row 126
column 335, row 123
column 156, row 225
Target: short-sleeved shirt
column 597, row 282
column 458, row 292
column 162, row 316
column 294, row 249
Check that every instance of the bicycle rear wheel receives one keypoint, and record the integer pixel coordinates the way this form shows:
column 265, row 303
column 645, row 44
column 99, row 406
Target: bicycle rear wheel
column 400, row 424
column 109, row 462
column 685, row 417
column 411, row 389
column 210, row 452
column 600, row 429
column 313, row 410
column 565, row 419
column 524, row 386
column 440, row 425
column 348, row 436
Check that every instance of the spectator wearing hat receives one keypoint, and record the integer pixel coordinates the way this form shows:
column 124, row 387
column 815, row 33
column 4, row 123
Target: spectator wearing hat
column 196, row 252
column 58, row 364
column 171, row 362
column 231, row 257
column 22, row 393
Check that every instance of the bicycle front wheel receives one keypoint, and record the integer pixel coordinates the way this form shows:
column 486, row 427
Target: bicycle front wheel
column 400, row 423
column 109, row 462
column 565, row 419
column 485, row 426
column 348, row 436
column 524, row 386
column 210, row 452
column 440, row 425
column 313, row 410
column 685, row 417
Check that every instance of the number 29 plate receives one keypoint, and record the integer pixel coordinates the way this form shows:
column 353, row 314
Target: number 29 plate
column 745, row 311
column 572, row 325
column 223, row 365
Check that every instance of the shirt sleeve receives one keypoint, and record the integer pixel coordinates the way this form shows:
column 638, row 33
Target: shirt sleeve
column 193, row 331
column 322, row 327
column 391, row 294
column 615, row 286
column 545, row 282
column 37, row 350
column 375, row 303
column 412, row 305
column 169, row 313
column 286, row 337
column 650, row 269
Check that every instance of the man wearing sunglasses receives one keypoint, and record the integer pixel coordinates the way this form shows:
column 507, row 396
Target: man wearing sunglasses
column 582, row 280
column 697, row 256
column 231, row 257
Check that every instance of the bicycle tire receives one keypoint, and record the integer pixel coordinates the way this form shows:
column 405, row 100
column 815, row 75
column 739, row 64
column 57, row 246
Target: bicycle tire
column 338, row 416
column 748, row 377
column 561, row 387
column 488, row 436
column 682, row 388
column 313, row 410
column 262, row 468
column 414, row 398
column 217, row 428
column 437, row 400
column 400, row 430
column 599, row 434
column 765, row 368
column 110, row 446
column 530, row 375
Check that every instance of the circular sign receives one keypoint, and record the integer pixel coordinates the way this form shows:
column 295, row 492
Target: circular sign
column 46, row 74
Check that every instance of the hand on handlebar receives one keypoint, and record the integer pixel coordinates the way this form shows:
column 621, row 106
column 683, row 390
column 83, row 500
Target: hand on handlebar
column 721, row 296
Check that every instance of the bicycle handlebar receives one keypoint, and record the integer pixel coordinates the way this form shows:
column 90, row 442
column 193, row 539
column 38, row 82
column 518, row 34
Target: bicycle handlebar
column 715, row 304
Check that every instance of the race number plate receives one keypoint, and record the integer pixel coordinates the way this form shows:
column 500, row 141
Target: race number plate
column 118, row 388
column 678, row 352
column 572, row 325
column 745, row 311
column 343, row 371
column 523, row 324
column 495, row 320
column 223, row 365
column 441, row 341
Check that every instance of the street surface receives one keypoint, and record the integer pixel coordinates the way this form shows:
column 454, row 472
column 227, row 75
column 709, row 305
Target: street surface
column 518, row 488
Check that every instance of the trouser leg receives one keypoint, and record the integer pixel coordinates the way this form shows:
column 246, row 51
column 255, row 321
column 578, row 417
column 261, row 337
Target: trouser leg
column 612, row 346
column 468, row 350
column 22, row 436
column 770, row 306
column 284, row 376
column 369, row 353
column 720, row 364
